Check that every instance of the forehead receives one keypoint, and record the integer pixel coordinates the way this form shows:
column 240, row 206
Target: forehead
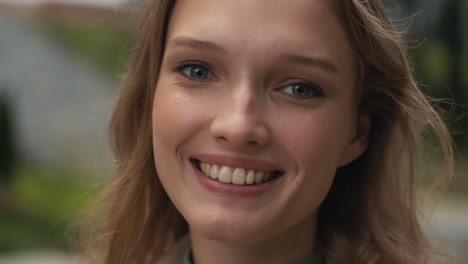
column 253, row 28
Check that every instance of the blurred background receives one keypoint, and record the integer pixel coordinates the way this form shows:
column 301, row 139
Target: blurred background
column 61, row 64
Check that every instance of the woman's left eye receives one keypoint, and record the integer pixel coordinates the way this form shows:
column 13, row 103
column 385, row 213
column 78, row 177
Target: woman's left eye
column 303, row 90
column 195, row 71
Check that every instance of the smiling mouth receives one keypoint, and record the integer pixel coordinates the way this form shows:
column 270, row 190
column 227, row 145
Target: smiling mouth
column 238, row 176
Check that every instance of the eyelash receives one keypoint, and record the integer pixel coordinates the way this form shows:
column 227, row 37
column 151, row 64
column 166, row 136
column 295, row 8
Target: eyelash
column 317, row 91
column 180, row 67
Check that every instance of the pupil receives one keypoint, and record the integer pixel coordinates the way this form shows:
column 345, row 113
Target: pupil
column 299, row 90
column 198, row 73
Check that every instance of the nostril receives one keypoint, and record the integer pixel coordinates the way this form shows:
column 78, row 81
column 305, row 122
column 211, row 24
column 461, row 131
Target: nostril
column 223, row 141
column 252, row 143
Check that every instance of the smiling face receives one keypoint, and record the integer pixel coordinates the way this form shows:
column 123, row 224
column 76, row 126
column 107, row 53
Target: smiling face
column 259, row 95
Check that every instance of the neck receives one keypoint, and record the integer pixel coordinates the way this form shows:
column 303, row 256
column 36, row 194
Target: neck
column 286, row 247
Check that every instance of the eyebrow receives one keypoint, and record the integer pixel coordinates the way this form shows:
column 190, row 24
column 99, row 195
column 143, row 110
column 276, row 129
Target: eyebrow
column 189, row 42
column 310, row 61
column 185, row 41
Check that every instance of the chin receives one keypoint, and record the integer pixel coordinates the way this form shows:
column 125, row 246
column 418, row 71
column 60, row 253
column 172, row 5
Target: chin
column 227, row 230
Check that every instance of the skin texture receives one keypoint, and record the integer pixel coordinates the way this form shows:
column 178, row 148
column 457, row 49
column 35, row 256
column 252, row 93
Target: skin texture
column 243, row 107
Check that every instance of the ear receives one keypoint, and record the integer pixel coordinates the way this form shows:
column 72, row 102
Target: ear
column 359, row 141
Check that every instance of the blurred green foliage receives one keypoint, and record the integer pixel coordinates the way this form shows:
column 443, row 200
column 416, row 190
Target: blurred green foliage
column 105, row 44
column 433, row 64
column 44, row 204
column 41, row 204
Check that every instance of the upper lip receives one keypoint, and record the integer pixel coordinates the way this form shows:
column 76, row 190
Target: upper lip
column 237, row 162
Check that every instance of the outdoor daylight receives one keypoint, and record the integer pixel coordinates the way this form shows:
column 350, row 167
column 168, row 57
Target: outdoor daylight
column 62, row 67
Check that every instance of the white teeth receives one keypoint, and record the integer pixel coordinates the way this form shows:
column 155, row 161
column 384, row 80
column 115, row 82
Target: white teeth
column 258, row 177
column 250, row 178
column 225, row 174
column 236, row 176
column 214, row 172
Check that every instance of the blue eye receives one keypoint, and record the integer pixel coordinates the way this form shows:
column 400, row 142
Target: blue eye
column 303, row 90
column 195, row 71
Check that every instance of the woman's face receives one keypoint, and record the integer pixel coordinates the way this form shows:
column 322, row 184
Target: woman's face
column 259, row 94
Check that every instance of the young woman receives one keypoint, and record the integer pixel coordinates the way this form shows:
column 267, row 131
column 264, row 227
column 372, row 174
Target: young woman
column 255, row 131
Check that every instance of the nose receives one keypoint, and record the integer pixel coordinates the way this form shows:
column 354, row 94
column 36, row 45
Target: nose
column 239, row 121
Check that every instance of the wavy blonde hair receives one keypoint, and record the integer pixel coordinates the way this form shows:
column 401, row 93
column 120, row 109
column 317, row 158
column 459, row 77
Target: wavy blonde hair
column 369, row 215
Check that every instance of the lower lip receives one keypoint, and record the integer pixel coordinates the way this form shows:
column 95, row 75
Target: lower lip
column 233, row 189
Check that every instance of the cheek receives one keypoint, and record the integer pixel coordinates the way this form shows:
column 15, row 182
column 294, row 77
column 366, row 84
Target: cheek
column 174, row 123
column 168, row 117
column 175, row 119
column 315, row 142
column 317, row 138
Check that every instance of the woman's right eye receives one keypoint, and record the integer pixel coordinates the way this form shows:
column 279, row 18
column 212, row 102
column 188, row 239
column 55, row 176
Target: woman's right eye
column 195, row 71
